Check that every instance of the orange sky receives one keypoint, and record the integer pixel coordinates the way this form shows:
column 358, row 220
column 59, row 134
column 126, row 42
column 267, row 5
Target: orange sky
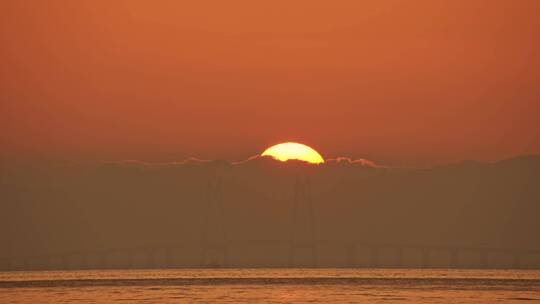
column 398, row 82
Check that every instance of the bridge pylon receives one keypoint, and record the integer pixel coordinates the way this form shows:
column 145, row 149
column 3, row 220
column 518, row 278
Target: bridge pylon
column 214, row 238
column 302, row 234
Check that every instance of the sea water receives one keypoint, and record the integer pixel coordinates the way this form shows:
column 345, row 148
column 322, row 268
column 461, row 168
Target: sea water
column 272, row 286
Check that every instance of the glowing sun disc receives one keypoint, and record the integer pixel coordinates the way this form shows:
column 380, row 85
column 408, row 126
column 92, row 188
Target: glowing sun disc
column 292, row 150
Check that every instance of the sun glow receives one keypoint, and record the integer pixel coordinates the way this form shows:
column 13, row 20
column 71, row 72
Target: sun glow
column 292, row 150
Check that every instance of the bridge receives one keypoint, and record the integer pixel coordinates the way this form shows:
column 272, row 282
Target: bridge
column 302, row 248
column 163, row 256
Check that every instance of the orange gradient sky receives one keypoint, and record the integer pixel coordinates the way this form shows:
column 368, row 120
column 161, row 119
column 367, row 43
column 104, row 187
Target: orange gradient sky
column 399, row 82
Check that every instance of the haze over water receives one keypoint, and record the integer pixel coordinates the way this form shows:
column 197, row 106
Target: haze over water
column 271, row 286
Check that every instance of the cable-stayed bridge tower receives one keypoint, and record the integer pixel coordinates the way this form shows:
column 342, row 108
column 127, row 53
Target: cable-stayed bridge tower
column 302, row 234
column 214, row 238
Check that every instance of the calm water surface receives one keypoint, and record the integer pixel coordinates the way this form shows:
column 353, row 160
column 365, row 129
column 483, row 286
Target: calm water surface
column 272, row 286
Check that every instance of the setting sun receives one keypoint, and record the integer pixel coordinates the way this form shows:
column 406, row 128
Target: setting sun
column 291, row 150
